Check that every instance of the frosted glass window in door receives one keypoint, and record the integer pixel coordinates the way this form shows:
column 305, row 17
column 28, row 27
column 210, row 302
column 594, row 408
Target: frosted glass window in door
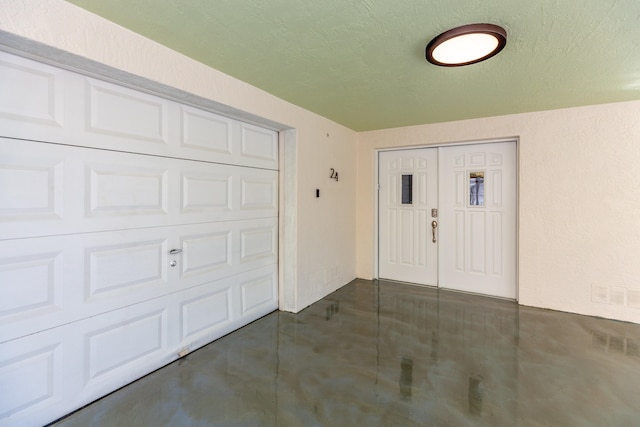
column 476, row 188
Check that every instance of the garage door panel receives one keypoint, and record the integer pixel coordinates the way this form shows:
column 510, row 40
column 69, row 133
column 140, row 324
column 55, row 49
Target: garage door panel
column 124, row 343
column 206, row 132
column 33, row 95
column 32, row 368
column 126, row 189
column 259, row 242
column 39, row 102
column 116, row 119
column 119, row 346
column 38, row 366
column 258, row 293
column 206, row 252
column 258, row 143
column 259, row 192
column 31, row 187
column 206, row 193
column 221, row 306
column 46, row 282
column 227, row 192
column 30, row 284
column 204, row 312
column 113, row 111
column 217, row 250
column 60, row 369
column 38, row 282
column 124, row 266
column 50, row 281
column 41, row 189
column 211, row 137
column 108, row 116
column 56, row 189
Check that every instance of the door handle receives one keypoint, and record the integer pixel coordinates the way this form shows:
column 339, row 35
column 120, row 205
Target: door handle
column 175, row 251
column 434, row 225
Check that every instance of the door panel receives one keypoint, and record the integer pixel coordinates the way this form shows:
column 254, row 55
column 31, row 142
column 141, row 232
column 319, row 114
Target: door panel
column 408, row 192
column 478, row 218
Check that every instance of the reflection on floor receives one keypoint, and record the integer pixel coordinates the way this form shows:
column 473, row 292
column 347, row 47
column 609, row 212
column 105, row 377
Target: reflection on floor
column 389, row 354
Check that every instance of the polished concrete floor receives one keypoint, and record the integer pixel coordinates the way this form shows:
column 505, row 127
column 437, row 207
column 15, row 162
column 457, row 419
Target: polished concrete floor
column 389, row 354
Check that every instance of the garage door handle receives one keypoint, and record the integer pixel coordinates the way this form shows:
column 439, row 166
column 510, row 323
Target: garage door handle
column 175, row 251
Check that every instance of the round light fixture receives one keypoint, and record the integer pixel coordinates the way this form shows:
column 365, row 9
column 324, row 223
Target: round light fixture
column 466, row 45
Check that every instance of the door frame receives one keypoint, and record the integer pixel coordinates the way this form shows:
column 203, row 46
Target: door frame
column 376, row 201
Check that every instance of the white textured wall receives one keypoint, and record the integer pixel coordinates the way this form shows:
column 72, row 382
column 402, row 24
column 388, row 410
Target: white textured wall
column 323, row 242
column 579, row 202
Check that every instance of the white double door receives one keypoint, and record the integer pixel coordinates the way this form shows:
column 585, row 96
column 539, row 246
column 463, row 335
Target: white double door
column 447, row 217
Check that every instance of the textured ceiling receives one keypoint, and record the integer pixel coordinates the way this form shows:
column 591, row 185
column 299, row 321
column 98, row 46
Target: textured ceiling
column 361, row 62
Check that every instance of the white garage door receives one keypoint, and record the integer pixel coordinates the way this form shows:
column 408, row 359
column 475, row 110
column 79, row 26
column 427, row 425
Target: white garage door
column 133, row 229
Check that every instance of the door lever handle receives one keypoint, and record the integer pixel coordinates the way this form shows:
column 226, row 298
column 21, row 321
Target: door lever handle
column 175, row 251
column 434, row 225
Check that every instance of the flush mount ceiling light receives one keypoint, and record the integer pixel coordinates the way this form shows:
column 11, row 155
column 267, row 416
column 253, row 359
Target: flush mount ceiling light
column 466, row 45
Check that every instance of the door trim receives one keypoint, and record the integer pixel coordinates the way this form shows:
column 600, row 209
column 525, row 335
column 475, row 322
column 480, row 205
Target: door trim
column 376, row 201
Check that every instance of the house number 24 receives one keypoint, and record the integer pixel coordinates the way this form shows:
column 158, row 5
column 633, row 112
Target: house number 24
column 334, row 174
